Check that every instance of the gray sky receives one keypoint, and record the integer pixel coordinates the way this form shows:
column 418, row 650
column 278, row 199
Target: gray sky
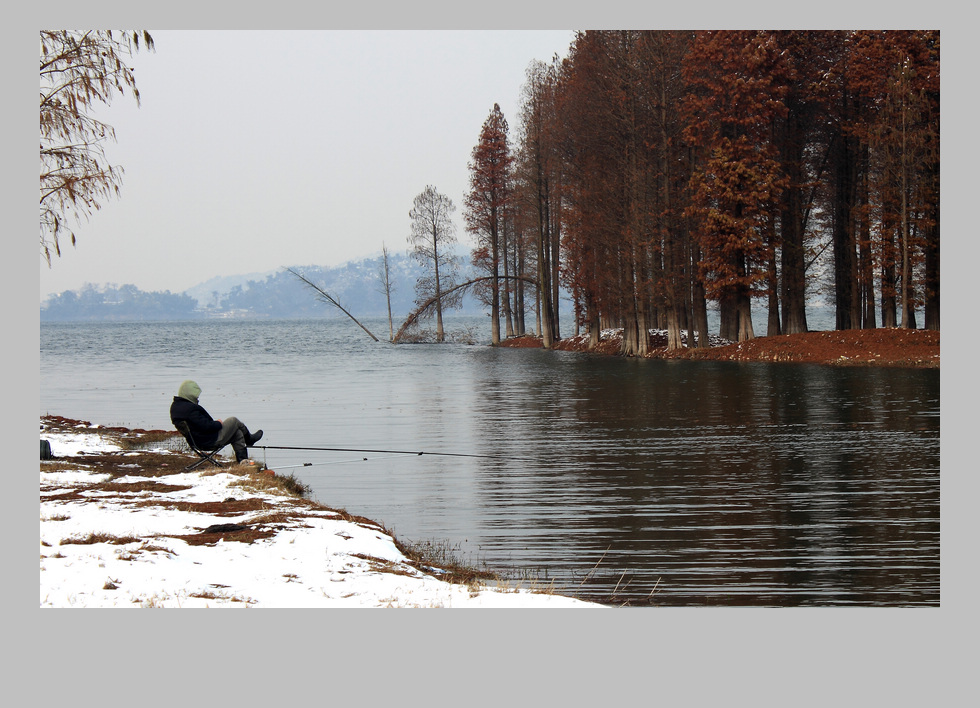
column 253, row 150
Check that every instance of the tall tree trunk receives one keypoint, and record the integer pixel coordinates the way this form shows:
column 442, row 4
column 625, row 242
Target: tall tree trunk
column 543, row 296
column 641, row 304
column 593, row 324
column 543, row 239
column 506, row 247
column 843, row 235
column 495, row 286
column 728, row 314
column 773, row 327
column 907, row 296
column 554, row 243
column 931, row 313
column 440, row 332
column 673, row 245
column 743, row 306
column 520, row 267
column 391, row 324
column 699, row 311
column 773, row 324
column 792, row 228
column 630, row 345
column 889, row 281
column 865, row 255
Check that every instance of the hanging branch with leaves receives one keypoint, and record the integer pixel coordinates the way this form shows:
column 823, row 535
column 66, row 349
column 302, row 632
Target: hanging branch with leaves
column 78, row 71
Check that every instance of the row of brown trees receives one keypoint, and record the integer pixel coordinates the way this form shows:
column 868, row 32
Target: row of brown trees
column 654, row 171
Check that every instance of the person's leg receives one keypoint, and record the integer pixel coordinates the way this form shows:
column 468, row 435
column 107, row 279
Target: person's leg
column 234, row 431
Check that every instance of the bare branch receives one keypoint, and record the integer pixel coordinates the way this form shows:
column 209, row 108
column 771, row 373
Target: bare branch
column 326, row 297
column 424, row 310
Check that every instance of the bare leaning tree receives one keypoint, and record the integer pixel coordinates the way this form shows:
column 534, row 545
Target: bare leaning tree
column 330, row 300
column 386, row 288
column 79, row 69
column 433, row 234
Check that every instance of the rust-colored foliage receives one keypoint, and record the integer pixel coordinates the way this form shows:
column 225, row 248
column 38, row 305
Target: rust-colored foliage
column 487, row 203
column 733, row 164
column 736, row 95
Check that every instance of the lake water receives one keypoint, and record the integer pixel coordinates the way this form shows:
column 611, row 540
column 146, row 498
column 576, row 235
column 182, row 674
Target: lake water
column 642, row 482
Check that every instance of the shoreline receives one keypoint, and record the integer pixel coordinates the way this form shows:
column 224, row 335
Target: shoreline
column 123, row 524
column 891, row 347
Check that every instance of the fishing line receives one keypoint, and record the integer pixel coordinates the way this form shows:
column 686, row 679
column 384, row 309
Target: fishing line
column 380, row 452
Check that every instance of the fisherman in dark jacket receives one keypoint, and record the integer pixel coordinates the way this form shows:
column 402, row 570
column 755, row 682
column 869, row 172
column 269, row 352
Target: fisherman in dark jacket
column 209, row 433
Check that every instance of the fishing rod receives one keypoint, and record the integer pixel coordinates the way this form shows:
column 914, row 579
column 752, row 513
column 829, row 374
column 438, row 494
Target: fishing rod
column 319, row 464
column 378, row 452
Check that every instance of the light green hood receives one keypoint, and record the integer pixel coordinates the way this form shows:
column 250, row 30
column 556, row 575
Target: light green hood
column 189, row 390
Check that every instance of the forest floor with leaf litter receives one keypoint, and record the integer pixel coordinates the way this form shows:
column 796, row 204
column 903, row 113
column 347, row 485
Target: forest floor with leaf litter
column 913, row 348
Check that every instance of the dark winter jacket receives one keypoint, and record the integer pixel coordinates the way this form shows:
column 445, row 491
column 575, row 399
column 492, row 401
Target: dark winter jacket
column 203, row 427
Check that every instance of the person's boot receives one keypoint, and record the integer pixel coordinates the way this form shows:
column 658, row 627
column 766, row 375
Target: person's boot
column 254, row 438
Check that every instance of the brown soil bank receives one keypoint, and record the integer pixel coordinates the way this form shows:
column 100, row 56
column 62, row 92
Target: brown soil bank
column 914, row 348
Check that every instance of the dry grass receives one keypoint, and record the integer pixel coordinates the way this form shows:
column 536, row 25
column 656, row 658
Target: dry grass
column 380, row 565
column 93, row 538
column 287, row 485
column 444, row 558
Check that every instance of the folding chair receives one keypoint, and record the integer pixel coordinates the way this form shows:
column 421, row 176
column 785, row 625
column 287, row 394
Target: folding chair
column 205, row 454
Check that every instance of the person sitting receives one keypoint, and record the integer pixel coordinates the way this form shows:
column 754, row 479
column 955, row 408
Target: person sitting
column 209, row 433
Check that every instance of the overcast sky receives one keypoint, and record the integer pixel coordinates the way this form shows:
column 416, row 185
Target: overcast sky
column 253, row 150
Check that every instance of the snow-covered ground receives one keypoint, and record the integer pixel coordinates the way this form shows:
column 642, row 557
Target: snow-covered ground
column 133, row 556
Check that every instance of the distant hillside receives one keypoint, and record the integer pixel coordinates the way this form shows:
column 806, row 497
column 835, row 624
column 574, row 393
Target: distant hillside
column 210, row 291
column 276, row 294
column 356, row 285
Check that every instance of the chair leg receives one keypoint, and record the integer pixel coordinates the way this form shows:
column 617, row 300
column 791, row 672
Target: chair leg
column 205, row 457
